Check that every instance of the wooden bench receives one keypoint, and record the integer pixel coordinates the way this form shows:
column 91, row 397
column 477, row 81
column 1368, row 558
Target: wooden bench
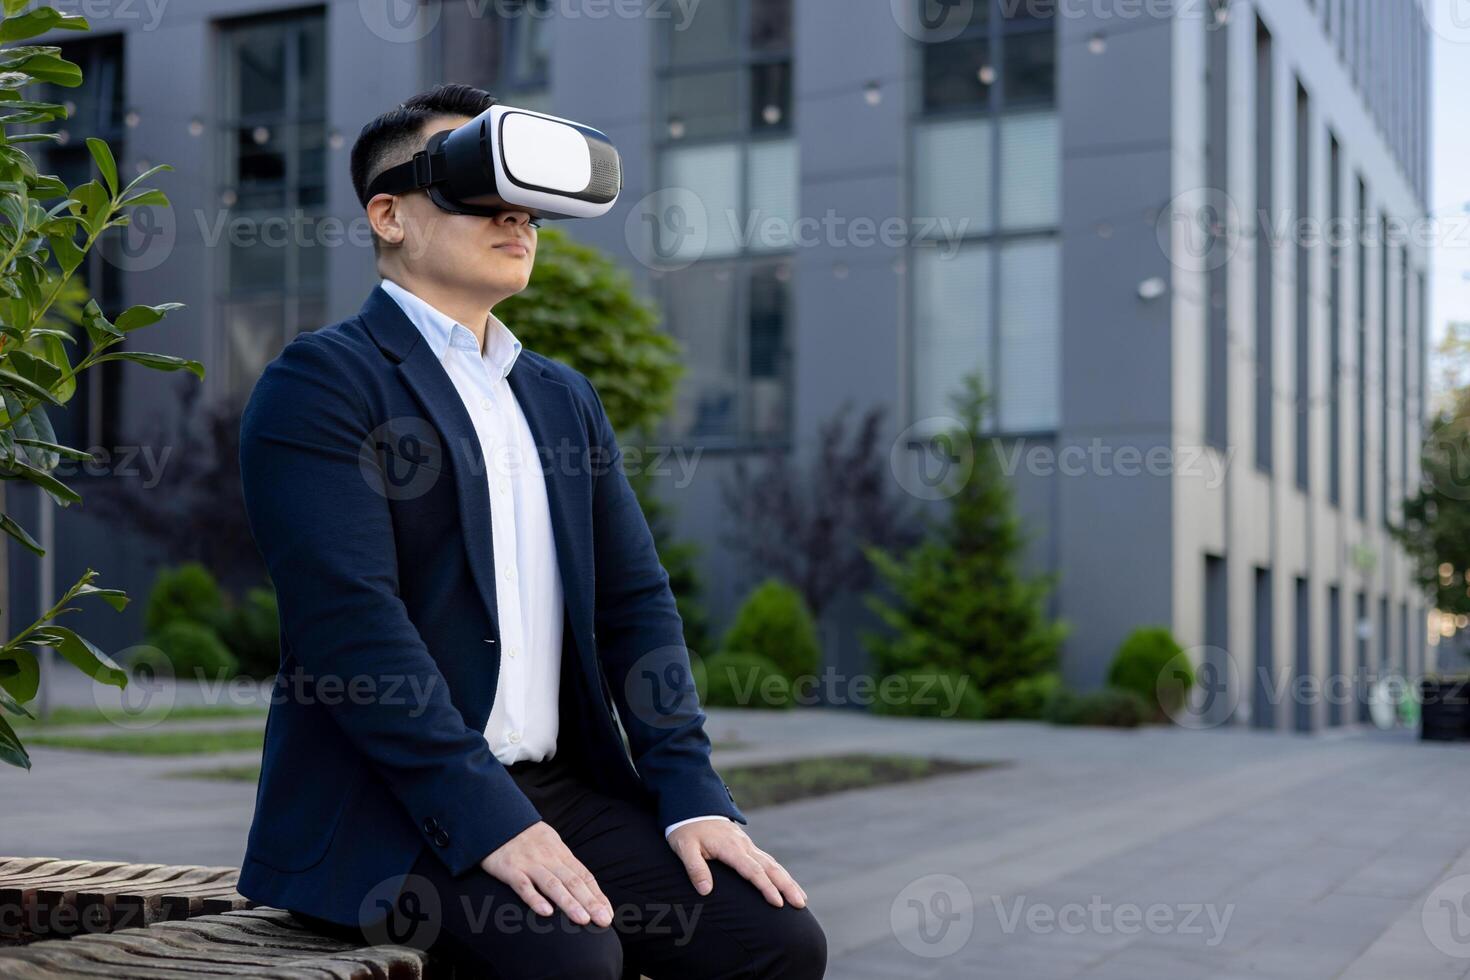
column 49, row 898
column 265, row 943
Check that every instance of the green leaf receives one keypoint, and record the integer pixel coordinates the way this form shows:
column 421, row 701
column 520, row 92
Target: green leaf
column 159, row 362
column 116, row 598
column 93, row 205
column 99, row 329
column 102, row 155
column 80, row 455
column 13, row 7
column 20, row 673
column 10, row 527
column 11, row 751
column 85, row 657
column 50, row 68
column 160, row 168
column 38, row 22
column 68, row 255
column 142, row 316
column 13, row 706
column 14, row 382
column 60, row 492
column 148, row 198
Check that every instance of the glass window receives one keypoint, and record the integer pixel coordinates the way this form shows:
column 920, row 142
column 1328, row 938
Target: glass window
column 726, row 103
column 771, row 176
column 700, row 303
column 958, row 75
column 710, row 32
column 1030, row 193
column 952, row 172
column 503, row 47
column 274, row 173
column 1031, row 68
column 1030, row 315
column 952, row 325
column 705, row 104
column 712, row 173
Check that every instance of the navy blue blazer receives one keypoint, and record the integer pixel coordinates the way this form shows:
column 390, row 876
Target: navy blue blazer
column 367, row 495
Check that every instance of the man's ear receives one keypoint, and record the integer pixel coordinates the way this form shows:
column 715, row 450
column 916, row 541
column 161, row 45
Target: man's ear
column 385, row 220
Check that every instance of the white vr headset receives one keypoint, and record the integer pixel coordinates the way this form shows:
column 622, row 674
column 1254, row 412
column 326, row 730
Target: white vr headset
column 509, row 159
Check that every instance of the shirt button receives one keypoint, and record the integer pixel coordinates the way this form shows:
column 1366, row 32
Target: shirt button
column 502, row 488
column 485, row 404
column 515, row 737
column 514, row 651
column 510, row 573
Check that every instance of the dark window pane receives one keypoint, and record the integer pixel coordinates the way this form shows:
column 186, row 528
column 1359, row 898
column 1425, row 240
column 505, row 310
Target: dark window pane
column 710, row 33
column 767, row 366
column 469, row 45
column 311, row 68
column 1031, row 67
column 704, row 104
column 770, row 25
column 770, row 97
column 528, row 48
column 1024, row 13
column 946, row 19
column 699, row 306
column 957, row 74
column 260, row 58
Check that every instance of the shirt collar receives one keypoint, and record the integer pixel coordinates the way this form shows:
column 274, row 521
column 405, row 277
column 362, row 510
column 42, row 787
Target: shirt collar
column 441, row 332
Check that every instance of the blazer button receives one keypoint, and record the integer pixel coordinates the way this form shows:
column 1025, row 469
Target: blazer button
column 431, row 826
column 442, row 838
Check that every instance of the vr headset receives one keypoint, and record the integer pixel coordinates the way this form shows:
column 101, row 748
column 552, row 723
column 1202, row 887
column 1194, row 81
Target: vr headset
column 509, row 159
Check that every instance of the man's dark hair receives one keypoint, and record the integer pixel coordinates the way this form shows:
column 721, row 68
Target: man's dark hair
column 395, row 136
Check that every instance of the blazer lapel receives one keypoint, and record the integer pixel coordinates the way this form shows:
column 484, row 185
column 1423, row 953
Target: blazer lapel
column 426, row 378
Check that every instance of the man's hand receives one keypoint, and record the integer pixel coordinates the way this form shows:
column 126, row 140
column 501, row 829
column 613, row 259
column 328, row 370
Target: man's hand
column 724, row 840
column 539, row 866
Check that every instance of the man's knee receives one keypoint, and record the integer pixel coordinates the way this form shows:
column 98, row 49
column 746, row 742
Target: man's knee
column 596, row 954
column 798, row 946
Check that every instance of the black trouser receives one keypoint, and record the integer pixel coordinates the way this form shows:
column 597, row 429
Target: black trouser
column 662, row 928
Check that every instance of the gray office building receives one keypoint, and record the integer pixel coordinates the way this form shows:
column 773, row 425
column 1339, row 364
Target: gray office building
column 1176, row 239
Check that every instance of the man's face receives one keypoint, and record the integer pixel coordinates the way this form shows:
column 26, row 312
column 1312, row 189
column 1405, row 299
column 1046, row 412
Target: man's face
column 493, row 255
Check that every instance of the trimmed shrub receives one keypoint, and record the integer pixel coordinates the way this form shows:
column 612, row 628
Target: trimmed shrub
column 930, row 692
column 192, row 649
column 744, row 680
column 185, row 592
column 252, row 632
column 774, row 623
column 1151, row 664
column 1110, row 707
column 1026, row 698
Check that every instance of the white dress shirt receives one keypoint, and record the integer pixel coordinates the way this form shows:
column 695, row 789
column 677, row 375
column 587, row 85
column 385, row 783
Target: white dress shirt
column 528, row 593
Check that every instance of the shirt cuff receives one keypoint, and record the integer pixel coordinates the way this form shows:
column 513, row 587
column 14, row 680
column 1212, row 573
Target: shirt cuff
column 675, row 826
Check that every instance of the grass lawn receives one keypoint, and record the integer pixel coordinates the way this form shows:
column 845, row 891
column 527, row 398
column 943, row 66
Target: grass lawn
column 762, row 785
column 800, row 779
column 156, row 742
column 67, row 716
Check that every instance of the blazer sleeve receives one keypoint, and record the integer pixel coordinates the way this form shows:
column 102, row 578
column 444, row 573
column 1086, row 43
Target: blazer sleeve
column 640, row 641
column 320, row 516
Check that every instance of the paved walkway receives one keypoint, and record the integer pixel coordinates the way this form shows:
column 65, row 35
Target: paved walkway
column 1094, row 854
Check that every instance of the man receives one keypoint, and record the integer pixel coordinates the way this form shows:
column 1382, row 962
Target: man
column 468, row 592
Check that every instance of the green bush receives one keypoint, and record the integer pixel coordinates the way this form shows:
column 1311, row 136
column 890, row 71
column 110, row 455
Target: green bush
column 930, row 692
column 186, row 592
column 1026, row 697
column 252, row 632
column 744, row 680
column 775, row 623
column 1155, row 667
column 192, row 649
column 1111, row 707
